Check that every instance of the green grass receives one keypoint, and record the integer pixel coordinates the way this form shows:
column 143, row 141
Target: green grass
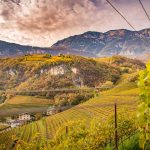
column 131, row 143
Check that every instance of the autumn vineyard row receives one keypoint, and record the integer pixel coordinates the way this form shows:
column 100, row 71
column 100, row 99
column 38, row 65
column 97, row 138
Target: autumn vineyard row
column 47, row 127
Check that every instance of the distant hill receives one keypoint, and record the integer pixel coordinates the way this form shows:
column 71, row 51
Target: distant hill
column 11, row 50
column 115, row 42
column 92, row 44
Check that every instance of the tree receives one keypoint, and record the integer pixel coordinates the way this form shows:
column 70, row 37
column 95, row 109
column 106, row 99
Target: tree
column 38, row 116
column 61, row 100
column 144, row 108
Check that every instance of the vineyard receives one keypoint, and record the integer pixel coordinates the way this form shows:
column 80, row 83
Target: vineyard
column 102, row 106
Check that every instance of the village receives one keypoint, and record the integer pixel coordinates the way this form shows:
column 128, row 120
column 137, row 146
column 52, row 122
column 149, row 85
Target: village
column 25, row 118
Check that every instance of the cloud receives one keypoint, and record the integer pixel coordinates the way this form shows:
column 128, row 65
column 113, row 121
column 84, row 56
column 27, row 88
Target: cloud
column 48, row 15
column 61, row 18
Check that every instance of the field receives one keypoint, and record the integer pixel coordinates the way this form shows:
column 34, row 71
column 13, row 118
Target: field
column 29, row 100
column 125, row 94
column 2, row 126
column 19, row 104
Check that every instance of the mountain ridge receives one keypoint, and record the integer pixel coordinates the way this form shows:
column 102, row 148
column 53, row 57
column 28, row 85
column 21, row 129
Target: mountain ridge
column 91, row 43
column 113, row 42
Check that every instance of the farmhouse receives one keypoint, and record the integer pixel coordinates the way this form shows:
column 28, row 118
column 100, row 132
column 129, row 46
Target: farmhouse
column 25, row 117
column 15, row 123
column 52, row 110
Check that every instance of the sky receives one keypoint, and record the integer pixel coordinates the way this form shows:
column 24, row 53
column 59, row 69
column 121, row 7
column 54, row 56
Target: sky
column 44, row 22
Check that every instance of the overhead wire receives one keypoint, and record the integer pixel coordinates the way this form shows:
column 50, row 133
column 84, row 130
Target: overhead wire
column 146, row 13
column 121, row 15
column 126, row 20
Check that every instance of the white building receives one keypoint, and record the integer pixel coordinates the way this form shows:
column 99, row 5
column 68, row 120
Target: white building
column 15, row 123
column 52, row 110
column 25, row 117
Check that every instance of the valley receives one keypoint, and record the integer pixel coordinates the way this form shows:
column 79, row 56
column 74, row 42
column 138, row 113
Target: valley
column 126, row 95
column 58, row 80
column 112, row 80
column 74, row 75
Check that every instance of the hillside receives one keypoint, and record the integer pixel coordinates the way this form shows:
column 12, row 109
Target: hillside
column 125, row 64
column 32, row 83
column 12, row 49
column 54, row 72
column 126, row 93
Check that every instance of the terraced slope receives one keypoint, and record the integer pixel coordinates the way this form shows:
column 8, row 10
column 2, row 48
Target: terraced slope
column 126, row 95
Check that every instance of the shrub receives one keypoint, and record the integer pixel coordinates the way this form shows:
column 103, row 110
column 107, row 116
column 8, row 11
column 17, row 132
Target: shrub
column 144, row 108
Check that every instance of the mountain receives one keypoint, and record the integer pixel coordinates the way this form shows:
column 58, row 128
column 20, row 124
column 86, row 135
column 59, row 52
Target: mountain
column 115, row 42
column 93, row 44
column 11, row 49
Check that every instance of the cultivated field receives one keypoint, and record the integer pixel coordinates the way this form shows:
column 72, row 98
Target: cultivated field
column 20, row 104
column 125, row 94
column 29, row 100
